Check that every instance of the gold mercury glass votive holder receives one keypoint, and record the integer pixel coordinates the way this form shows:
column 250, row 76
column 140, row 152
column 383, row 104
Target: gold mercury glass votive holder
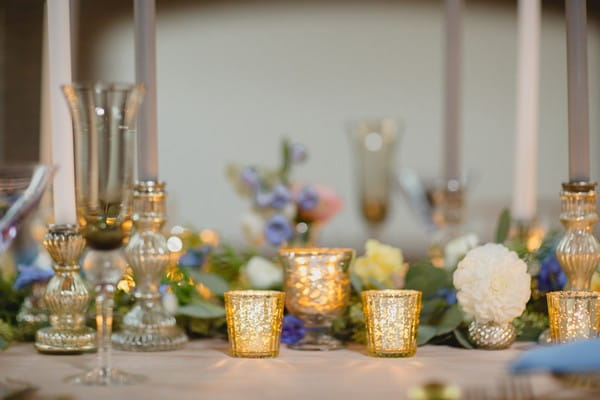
column 254, row 319
column 392, row 319
column 317, row 290
column 574, row 315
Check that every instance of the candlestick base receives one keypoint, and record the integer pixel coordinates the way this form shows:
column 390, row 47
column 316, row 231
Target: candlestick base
column 66, row 296
column 148, row 327
column 578, row 251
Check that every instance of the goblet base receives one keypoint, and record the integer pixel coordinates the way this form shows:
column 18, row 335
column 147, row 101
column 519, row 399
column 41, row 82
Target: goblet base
column 52, row 341
column 162, row 339
column 317, row 340
column 105, row 377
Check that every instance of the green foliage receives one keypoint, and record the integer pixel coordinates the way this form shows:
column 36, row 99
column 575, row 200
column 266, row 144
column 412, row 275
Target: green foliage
column 427, row 278
column 10, row 302
column 201, row 309
column 227, row 263
column 503, row 227
column 425, row 334
column 212, row 281
column 286, row 161
column 7, row 334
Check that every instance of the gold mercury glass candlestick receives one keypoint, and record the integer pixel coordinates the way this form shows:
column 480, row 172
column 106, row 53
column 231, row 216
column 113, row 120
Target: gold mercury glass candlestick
column 66, row 295
column 148, row 327
column 578, row 252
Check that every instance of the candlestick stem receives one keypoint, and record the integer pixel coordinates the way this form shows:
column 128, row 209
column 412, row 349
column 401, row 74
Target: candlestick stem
column 578, row 252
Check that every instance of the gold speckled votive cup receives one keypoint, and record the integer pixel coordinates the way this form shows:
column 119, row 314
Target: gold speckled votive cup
column 254, row 319
column 574, row 315
column 392, row 319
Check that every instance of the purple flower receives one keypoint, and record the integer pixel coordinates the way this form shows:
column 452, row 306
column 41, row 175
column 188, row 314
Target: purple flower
column 281, row 196
column 250, row 177
column 263, row 199
column 551, row 276
column 29, row 274
column 299, row 153
column 308, row 198
column 292, row 330
column 278, row 229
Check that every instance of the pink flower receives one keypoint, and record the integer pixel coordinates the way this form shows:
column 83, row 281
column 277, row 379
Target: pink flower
column 328, row 205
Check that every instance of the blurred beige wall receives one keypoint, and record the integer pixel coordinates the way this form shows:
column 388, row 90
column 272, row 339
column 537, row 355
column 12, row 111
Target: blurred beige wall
column 234, row 77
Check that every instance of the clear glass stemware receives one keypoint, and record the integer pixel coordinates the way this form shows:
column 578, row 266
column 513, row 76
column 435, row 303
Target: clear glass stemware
column 103, row 120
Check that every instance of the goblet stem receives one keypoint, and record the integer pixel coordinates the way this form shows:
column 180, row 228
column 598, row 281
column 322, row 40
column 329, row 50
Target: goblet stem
column 104, row 317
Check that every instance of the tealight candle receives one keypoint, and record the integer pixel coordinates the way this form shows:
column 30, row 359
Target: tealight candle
column 254, row 319
column 574, row 315
column 392, row 319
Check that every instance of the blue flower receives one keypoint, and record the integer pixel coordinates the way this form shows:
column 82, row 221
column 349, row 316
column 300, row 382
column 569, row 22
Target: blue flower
column 250, row 177
column 551, row 276
column 29, row 274
column 278, row 229
column 299, row 153
column 308, row 198
column 448, row 294
column 194, row 258
column 292, row 330
column 263, row 199
column 281, row 196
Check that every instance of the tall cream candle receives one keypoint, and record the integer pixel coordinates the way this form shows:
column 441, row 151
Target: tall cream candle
column 59, row 73
column 452, row 121
column 525, row 173
column 579, row 134
column 145, row 72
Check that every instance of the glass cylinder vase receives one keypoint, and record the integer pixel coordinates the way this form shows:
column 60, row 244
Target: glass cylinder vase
column 103, row 121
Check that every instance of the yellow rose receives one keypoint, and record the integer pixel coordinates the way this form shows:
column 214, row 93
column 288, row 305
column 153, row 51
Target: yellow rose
column 381, row 262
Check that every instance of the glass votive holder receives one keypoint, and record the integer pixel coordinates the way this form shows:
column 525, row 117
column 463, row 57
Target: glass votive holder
column 317, row 291
column 574, row 315
column 392, row 320
column 254, row 319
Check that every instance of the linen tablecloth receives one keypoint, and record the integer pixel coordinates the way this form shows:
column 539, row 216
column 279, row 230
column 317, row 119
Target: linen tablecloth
column 204, row 370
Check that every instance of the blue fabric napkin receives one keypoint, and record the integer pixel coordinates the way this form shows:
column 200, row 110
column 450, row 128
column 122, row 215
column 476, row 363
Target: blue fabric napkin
column 572, row 357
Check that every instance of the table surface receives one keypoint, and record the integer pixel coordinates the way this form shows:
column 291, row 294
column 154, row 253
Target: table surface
column 203, row 369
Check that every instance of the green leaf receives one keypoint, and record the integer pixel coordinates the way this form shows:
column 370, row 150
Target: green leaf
column 462, row 339
column 201, row 309
column 451, row 319
column 286, row 161
column 215, row 283
column 424, row 334
column 503, row 226
column 427, row 278
column 356, row 282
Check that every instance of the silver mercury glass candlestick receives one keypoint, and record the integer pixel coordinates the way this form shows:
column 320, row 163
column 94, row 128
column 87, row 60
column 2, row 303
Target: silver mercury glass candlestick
column 578, row 251
column 66, row 295
column 148, row 327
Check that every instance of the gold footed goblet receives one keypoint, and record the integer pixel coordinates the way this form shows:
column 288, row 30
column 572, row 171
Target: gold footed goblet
column 66, row 296
column 317, row 290
column 578, row 251
column 103, row 118
column 148, row 327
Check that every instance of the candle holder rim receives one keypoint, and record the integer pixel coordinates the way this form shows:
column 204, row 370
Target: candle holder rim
column 254, row 293
column 579, row 186
column 573, row 294
column 149, row 185
column 315, row 251
column 391, row 292
column 353, row 124
column 100, row 86
column 73, row 229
